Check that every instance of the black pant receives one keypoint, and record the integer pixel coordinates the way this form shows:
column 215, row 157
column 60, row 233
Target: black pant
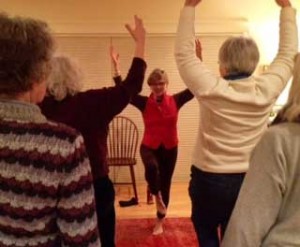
column 213, row 197
column 159, row 168
column 105, row 199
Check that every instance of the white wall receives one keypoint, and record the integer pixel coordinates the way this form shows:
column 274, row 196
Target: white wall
column 101, row 16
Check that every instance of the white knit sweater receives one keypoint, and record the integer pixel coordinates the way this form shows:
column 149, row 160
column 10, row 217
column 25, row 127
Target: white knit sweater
column 233, row 114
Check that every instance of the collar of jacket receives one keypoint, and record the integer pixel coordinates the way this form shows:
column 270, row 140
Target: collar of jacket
column 236, row 76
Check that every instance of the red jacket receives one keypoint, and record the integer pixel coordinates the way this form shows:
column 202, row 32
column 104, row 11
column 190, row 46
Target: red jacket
column 160, row 123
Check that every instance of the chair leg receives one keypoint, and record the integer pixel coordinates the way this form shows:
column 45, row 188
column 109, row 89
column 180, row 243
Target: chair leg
column 133, row 182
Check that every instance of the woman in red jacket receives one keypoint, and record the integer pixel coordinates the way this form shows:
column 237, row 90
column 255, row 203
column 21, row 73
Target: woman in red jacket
column 160, row 141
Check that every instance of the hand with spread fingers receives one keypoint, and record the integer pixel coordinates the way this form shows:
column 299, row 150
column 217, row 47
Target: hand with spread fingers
column 138, row 33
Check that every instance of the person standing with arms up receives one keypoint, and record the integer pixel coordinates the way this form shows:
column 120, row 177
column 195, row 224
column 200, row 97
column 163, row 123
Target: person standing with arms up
column 160, row 141
column 46, row 185
column 90, row 112
column 234, row 110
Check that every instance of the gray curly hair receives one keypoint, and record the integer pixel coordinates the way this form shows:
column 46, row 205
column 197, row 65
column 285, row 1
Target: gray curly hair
column 65, row 78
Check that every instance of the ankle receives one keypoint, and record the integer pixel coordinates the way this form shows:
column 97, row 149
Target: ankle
column 160, row 206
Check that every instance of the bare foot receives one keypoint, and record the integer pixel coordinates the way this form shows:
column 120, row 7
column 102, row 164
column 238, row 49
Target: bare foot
column 158, row 228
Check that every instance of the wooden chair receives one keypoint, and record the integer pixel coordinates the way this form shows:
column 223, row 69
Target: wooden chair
column 122, row 145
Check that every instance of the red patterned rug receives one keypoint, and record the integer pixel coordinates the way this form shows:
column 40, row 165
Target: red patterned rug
column 178, row 232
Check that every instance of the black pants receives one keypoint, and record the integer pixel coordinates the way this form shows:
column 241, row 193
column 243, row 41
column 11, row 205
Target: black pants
column 105, row 199
column 159, row 168
column 213, row 197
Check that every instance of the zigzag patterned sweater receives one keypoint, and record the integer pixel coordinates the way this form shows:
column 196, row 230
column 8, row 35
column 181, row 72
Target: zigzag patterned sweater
column 46, row 193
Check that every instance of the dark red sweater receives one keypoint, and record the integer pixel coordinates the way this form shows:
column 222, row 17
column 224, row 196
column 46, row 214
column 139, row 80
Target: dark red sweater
column 91, row 111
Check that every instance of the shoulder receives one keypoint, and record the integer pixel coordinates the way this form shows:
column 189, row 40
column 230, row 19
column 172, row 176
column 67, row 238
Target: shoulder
column 283, row 134
column 93, row 97
column 50, row 145
column 283, row 130
column 58, row 131
column 286, row 129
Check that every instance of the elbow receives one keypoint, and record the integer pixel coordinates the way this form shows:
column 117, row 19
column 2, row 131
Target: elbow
column 139, row 88
column 141, row 80
column 134, row 89
column 139, row 85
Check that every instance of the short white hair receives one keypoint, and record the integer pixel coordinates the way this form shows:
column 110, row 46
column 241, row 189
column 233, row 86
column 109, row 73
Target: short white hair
column 239, row 55
column 65, row 77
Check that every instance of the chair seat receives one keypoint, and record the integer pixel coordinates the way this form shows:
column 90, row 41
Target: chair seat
column 121, row 161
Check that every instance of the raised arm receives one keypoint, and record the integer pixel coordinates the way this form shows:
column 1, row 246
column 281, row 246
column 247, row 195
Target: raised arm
column 138, row 33
column 280, row 70
column 136, row 100
column 115, row 59
column 197, row 77
column 135, row 77
column 119, row 96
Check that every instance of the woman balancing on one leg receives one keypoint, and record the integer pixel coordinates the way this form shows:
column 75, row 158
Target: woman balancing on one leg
column 160, row 141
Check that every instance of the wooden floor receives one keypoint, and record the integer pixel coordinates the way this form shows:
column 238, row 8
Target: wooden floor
column 179, row 206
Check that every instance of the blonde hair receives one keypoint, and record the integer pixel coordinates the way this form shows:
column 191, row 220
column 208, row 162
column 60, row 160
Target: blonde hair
column 291, row 111
column 65, row 77
column 157, row 75
column 239, row 55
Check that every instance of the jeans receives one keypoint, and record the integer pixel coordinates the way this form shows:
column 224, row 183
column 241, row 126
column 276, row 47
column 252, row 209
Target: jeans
column 213, row 197
column 105, row 199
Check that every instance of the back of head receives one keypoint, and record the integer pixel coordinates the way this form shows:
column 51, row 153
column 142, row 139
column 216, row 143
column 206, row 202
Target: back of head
column 158, row 75
column 26, row 47
column 291, row 111
column 239, row 55
column 65, row 77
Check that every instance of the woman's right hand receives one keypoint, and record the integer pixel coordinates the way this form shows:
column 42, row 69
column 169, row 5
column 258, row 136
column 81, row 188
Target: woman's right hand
column 138, row 33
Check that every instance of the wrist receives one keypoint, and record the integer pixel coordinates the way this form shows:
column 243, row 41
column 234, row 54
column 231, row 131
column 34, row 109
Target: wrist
column 286, row 4
column 139, row 52
column 117, row 73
